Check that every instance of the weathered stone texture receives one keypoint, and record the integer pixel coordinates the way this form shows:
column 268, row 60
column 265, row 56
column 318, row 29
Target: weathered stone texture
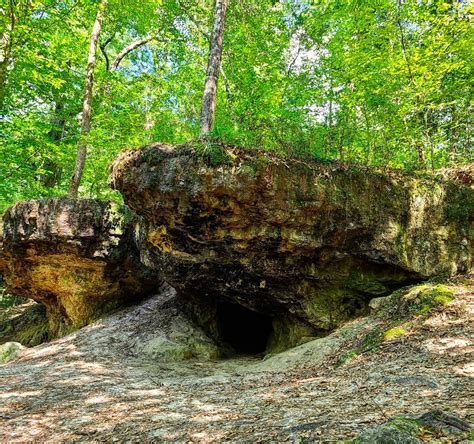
column 77, row 257
column 307, row 243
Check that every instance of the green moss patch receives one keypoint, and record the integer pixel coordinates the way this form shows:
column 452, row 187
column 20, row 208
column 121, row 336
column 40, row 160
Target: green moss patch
column 404, row 424
column 347, row 357
column 428, row 426
column 373, row 338
column 9, row 351
column 394, row 332
column 423, row 298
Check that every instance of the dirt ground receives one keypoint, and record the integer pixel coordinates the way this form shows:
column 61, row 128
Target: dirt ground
column 93, row 386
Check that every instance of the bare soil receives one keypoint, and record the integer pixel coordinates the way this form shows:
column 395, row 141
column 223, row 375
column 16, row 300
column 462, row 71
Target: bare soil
column 93, row 386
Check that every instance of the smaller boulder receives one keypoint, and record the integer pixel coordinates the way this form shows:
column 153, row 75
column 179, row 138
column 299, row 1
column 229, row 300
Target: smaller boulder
column 77, row 257
column 377, row 304
column 441, row 422
column 407, row 430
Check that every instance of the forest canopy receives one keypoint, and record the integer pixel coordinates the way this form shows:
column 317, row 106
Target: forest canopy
column 372, row 82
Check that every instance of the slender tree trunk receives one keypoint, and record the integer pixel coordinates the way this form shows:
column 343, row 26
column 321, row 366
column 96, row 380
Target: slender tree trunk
column 329, row 123
column 369, row 148
column 6, row 49
column 87, row 104
column 429, row 138
column 208, row 109
column 221, row 70
column 406, row 56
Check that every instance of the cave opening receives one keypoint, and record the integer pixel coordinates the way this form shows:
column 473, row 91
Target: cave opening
column 245, row 330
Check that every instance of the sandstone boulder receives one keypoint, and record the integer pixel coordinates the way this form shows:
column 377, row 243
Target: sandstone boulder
column 77, row 257
column 304, row 244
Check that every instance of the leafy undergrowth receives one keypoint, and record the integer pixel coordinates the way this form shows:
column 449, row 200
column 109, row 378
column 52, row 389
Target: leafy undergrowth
column 411, row 356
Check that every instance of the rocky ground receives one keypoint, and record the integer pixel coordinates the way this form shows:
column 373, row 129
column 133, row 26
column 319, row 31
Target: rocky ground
column 98, row 384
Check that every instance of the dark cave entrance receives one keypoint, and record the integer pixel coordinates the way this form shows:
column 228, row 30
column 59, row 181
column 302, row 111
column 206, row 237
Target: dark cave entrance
column 245, row 330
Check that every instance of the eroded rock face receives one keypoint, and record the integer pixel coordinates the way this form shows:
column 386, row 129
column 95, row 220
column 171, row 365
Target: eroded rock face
column 77, row 257
column 307, row 244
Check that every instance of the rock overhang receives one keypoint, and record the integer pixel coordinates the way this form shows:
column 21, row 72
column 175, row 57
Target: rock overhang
column 295, row 245
column 309, row 244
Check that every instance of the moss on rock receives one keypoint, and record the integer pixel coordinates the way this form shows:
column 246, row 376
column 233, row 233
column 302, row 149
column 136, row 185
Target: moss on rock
column 394, row 332
column 347, row 357
column 423, row 298
column 10, row 351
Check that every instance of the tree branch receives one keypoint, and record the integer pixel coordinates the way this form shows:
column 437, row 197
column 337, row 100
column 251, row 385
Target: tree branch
column 104, row 53
column 122, row 54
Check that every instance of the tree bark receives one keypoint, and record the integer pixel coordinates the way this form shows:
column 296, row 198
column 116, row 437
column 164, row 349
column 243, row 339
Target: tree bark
column 221, row 70
column 208, row 109
column 87, row 104
column 6, row 49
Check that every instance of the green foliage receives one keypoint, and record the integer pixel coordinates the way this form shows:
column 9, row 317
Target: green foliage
column 9, row 300
column 385, row 83
column 212, row 152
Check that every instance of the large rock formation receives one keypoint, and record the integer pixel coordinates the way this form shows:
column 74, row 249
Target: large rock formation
column 294, row 246
column 77, row 257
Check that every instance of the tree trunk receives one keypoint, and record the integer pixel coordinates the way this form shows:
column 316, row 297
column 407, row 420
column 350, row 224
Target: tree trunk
column 213, row 67
column 6, row 49
column 87, row 104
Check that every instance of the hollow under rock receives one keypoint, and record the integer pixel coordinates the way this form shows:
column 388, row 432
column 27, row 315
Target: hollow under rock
column 244, row 330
